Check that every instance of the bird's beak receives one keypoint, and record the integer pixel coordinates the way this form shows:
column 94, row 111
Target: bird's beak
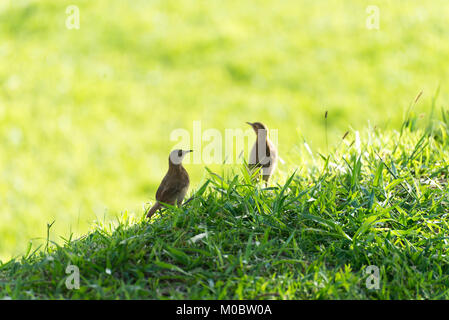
column 250, row 124
column 188, row 151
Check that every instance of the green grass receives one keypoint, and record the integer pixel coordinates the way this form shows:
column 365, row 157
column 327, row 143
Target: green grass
column 86, row 115
column 379, row 198
column 85, row 123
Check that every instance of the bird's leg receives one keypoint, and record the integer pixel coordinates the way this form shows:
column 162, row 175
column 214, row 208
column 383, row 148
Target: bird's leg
column 265, row 179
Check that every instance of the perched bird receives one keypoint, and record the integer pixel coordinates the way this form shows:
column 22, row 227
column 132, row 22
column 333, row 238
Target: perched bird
column 173, row 187
column 263, row 154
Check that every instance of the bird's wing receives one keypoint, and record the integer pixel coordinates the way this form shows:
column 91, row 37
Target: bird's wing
column 161, row 188
column 170, row 193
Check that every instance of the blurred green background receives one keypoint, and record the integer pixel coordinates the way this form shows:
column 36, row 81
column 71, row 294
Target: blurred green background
column 86, row 115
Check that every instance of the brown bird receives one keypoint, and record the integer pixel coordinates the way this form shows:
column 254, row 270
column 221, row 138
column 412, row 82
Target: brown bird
column 263, row 154
column 175, row 184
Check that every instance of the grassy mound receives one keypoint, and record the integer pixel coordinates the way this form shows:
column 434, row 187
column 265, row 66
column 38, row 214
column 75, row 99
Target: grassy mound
column 377, row 200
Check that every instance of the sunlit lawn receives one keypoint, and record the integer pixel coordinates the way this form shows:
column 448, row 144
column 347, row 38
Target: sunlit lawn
column 86, row 115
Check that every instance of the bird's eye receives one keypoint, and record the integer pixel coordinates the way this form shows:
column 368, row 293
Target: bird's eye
column 180, row 153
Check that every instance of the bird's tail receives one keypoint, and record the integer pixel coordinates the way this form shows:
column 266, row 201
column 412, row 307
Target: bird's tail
column 153, row 209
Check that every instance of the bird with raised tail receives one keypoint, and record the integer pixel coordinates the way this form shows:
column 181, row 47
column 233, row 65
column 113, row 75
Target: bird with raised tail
column 263, row 154
column 175, row 184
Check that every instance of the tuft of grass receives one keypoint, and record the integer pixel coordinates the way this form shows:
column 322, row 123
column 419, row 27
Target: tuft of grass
column 376, row 200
